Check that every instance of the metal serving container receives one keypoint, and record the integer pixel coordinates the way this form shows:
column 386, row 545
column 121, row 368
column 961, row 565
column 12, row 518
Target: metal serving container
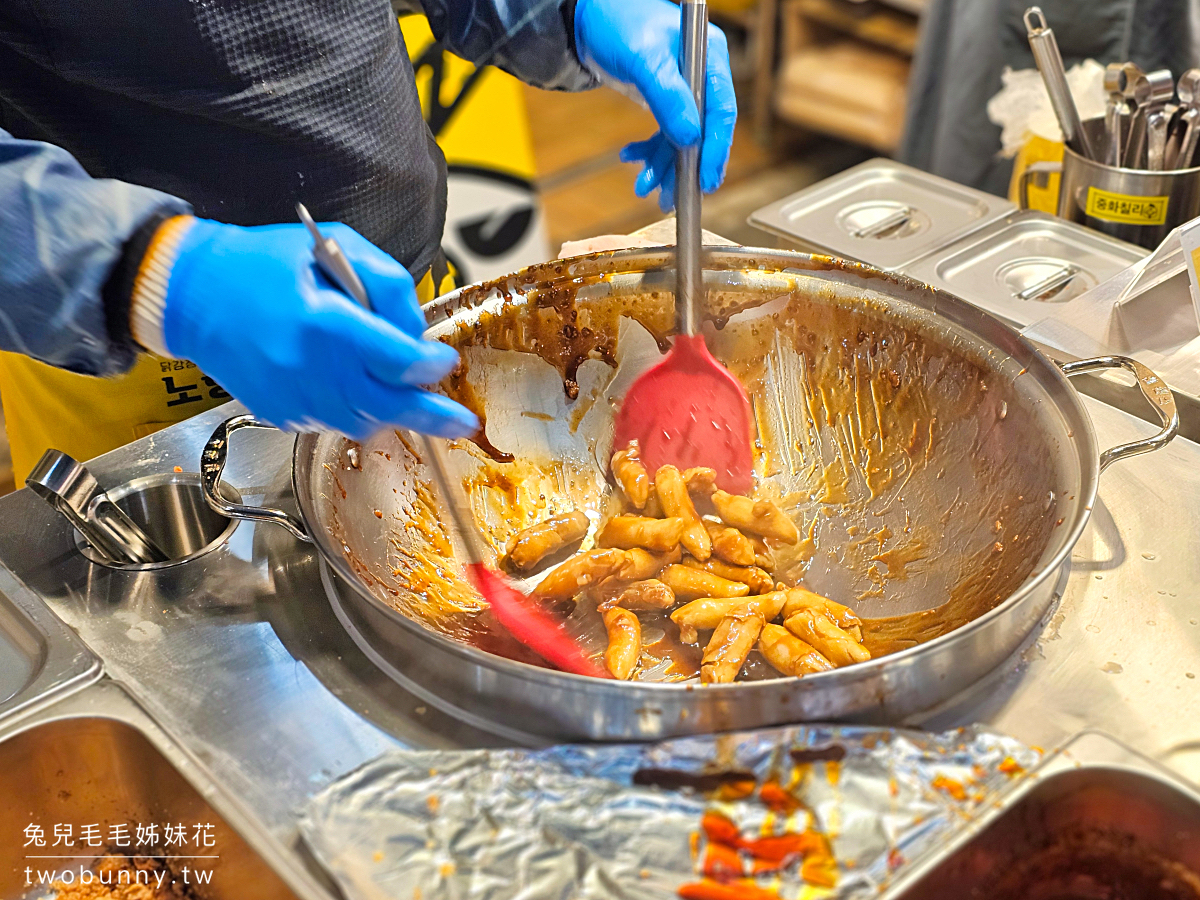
column 1016, row 265
column 880, row 212
column 1136, row 205
column 40, row 658
column 1095, row 820
column 985, row 467
column 98, row 759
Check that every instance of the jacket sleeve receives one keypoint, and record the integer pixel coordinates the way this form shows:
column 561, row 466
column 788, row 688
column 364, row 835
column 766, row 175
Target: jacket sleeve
column 531, row 39
column 63, row 232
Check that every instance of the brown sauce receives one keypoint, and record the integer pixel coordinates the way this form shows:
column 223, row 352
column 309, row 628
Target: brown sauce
column 700, row 782
column 832, row 753
column 460, row 389
column 884, row 405
column 685, row 658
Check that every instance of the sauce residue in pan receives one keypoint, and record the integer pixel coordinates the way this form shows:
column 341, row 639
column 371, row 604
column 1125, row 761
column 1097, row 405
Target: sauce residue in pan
column 866, row 421
column 684, row 659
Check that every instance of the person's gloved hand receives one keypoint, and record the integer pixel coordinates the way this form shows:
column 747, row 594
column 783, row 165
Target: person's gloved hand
column 250, row 307
column 637, row 42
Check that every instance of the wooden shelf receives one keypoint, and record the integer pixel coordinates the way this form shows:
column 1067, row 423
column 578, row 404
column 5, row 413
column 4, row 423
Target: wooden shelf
column 845, row 89
column 882, row 26
column 912, row 7
column 843, row 69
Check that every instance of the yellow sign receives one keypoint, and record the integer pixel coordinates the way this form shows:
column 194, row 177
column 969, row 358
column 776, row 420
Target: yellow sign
column 1126, row 208
column 494, row 222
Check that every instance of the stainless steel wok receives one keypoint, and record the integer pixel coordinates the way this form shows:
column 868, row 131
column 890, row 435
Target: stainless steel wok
column 939, row 467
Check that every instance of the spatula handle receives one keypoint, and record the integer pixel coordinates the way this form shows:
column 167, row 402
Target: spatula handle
column 693, row 46
column 437, row 452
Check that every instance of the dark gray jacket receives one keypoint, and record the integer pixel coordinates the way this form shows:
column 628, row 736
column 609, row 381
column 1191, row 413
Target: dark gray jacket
column 235, row 109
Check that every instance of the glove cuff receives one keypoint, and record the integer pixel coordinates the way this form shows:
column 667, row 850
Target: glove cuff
column 149, row 296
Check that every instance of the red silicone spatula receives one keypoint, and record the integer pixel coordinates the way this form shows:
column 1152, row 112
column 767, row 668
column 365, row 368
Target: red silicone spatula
column 518, row 613
column 689, row 410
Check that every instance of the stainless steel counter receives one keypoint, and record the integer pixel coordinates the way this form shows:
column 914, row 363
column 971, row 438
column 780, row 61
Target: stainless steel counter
column 239, row 658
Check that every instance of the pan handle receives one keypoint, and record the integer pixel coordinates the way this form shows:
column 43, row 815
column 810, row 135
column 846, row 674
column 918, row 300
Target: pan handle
column 1154, row 389
column 1038, row 174
column 212, row 465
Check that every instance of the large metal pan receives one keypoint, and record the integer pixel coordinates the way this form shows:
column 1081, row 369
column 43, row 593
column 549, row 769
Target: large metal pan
column 940, row 467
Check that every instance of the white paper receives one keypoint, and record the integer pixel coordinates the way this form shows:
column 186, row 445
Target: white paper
column 1189, row 240
column 1150, row 311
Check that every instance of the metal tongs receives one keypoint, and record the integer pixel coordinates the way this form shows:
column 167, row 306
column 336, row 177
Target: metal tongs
column 71, row 489
column 516, row 612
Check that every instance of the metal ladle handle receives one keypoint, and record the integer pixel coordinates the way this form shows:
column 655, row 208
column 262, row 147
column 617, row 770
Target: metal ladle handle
column 212, row 466
column 332, row 261
column 438, row 452
column 1153, row 388
column 689, row 238
column 1049, row 62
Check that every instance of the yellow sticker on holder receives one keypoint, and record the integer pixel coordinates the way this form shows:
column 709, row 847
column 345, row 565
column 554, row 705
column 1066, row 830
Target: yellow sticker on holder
column 1126, row 208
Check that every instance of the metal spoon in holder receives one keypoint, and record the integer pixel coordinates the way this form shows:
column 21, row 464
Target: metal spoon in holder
column 1119, row 81
column 1148, row 129
column 1188, row 90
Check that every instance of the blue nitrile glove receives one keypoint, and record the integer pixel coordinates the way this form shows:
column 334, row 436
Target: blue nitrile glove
column 250, row 307
column 636, row 42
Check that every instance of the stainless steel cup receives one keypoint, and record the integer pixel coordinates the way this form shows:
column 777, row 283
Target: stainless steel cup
column 1136, row 205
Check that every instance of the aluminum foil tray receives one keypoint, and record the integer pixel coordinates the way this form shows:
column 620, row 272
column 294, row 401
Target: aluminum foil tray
column 653, row 821
column 1015, row 267
column 880, row 212
column 40, row 658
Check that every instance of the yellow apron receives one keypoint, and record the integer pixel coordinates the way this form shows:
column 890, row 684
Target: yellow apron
column 83, row 416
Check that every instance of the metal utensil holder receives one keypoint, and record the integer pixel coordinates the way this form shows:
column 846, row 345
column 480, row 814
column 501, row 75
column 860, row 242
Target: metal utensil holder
column 1140, row 206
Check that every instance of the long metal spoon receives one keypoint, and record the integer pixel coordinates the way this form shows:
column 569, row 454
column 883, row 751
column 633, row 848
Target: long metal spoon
column 1151, row 93
column 1119, row 79
column 1158, row 126
column 1189, row 97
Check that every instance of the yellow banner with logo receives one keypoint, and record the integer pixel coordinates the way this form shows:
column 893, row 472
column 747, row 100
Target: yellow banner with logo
column 494, row 221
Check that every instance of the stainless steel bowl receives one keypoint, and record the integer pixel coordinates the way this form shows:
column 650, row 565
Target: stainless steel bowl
column 98, row 760
column 940, row 467
column 1095, row 820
